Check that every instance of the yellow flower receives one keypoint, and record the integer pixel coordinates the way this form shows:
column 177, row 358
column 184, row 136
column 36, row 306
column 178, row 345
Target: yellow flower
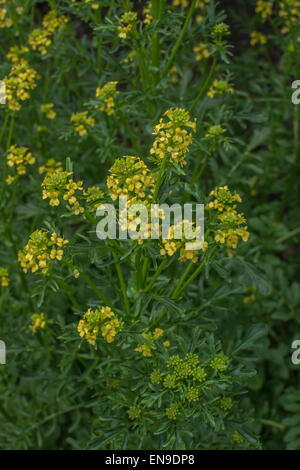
column 146, row 347
column 4, row 279
column 38, row 321
column 15, row 52
column 173, row 243
column 201, row 51
column 264, row 8
column 59, row 184
column 41, row 38
column 82, row 121
column 171, row 137
column 5, row 22
column 107, row 94
column 19, row 157
column 147, row 14
column 128, row 19
column 93, row 196
column 51, row 166
column 231, row 224
column 39, row 252
column 257, row 38
column 47, row 109
column 20, row 80
column 129, row 176
column 100, row 320
column 219, row 87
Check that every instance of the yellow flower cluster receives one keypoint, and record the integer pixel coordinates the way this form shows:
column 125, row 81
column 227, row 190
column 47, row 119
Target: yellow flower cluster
column 134, row 412
column 94, row 5
column 40, row 251
column 147, row 14
column 129, row 176
column 81, row 121
column 38, row 321
column 219, row 87
column 100, row 320
column 93, row 196
column 146, row 347
column 233, row 225
column 201, row 51
column 41, row 38
column 107, row 94
column 128, row 19
column 4, row 279
column 264, row 8
column 180, row 3
column 257, row 38
column 289, row 11
column 59, row 184
column 5, row 21
column 51, row 166
column 173, row 73
column 251, row 294
column 177, row 239
column 48, row 110
column 237, row 438
column 19, row 157
column 15, row 53
column 20, row 80
column 215, row 132
column 171, row 137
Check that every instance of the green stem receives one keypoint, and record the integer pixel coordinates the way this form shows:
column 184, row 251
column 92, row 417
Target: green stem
column 5, row 164
column 180, row 38
column 122, row 284
column 4, row 126
column 155, row 52
column 292, row 176
column 159, row 270
column 195, row 273
column 160, row 177
column 90, row 283
column 182, row 279
column 205, row 85
column 67, row 292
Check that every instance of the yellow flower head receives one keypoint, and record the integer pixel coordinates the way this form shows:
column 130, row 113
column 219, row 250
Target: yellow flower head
column 107, row 95
column 129, row 176
column 173, row 137
column 20, row 158
column 51, row 166
column 47, row 109
column 98, row 321
column 38, row 321
column 18, row 83
column 201, row 51
column 219, row 87
column 82, row 121
column 257, row 38
column 231, row 224
column 264, row 8
column 16, row 52
column 5, row 21
column 40, row 251
column 128, row 19
column 59, row 184
column 4, row 279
